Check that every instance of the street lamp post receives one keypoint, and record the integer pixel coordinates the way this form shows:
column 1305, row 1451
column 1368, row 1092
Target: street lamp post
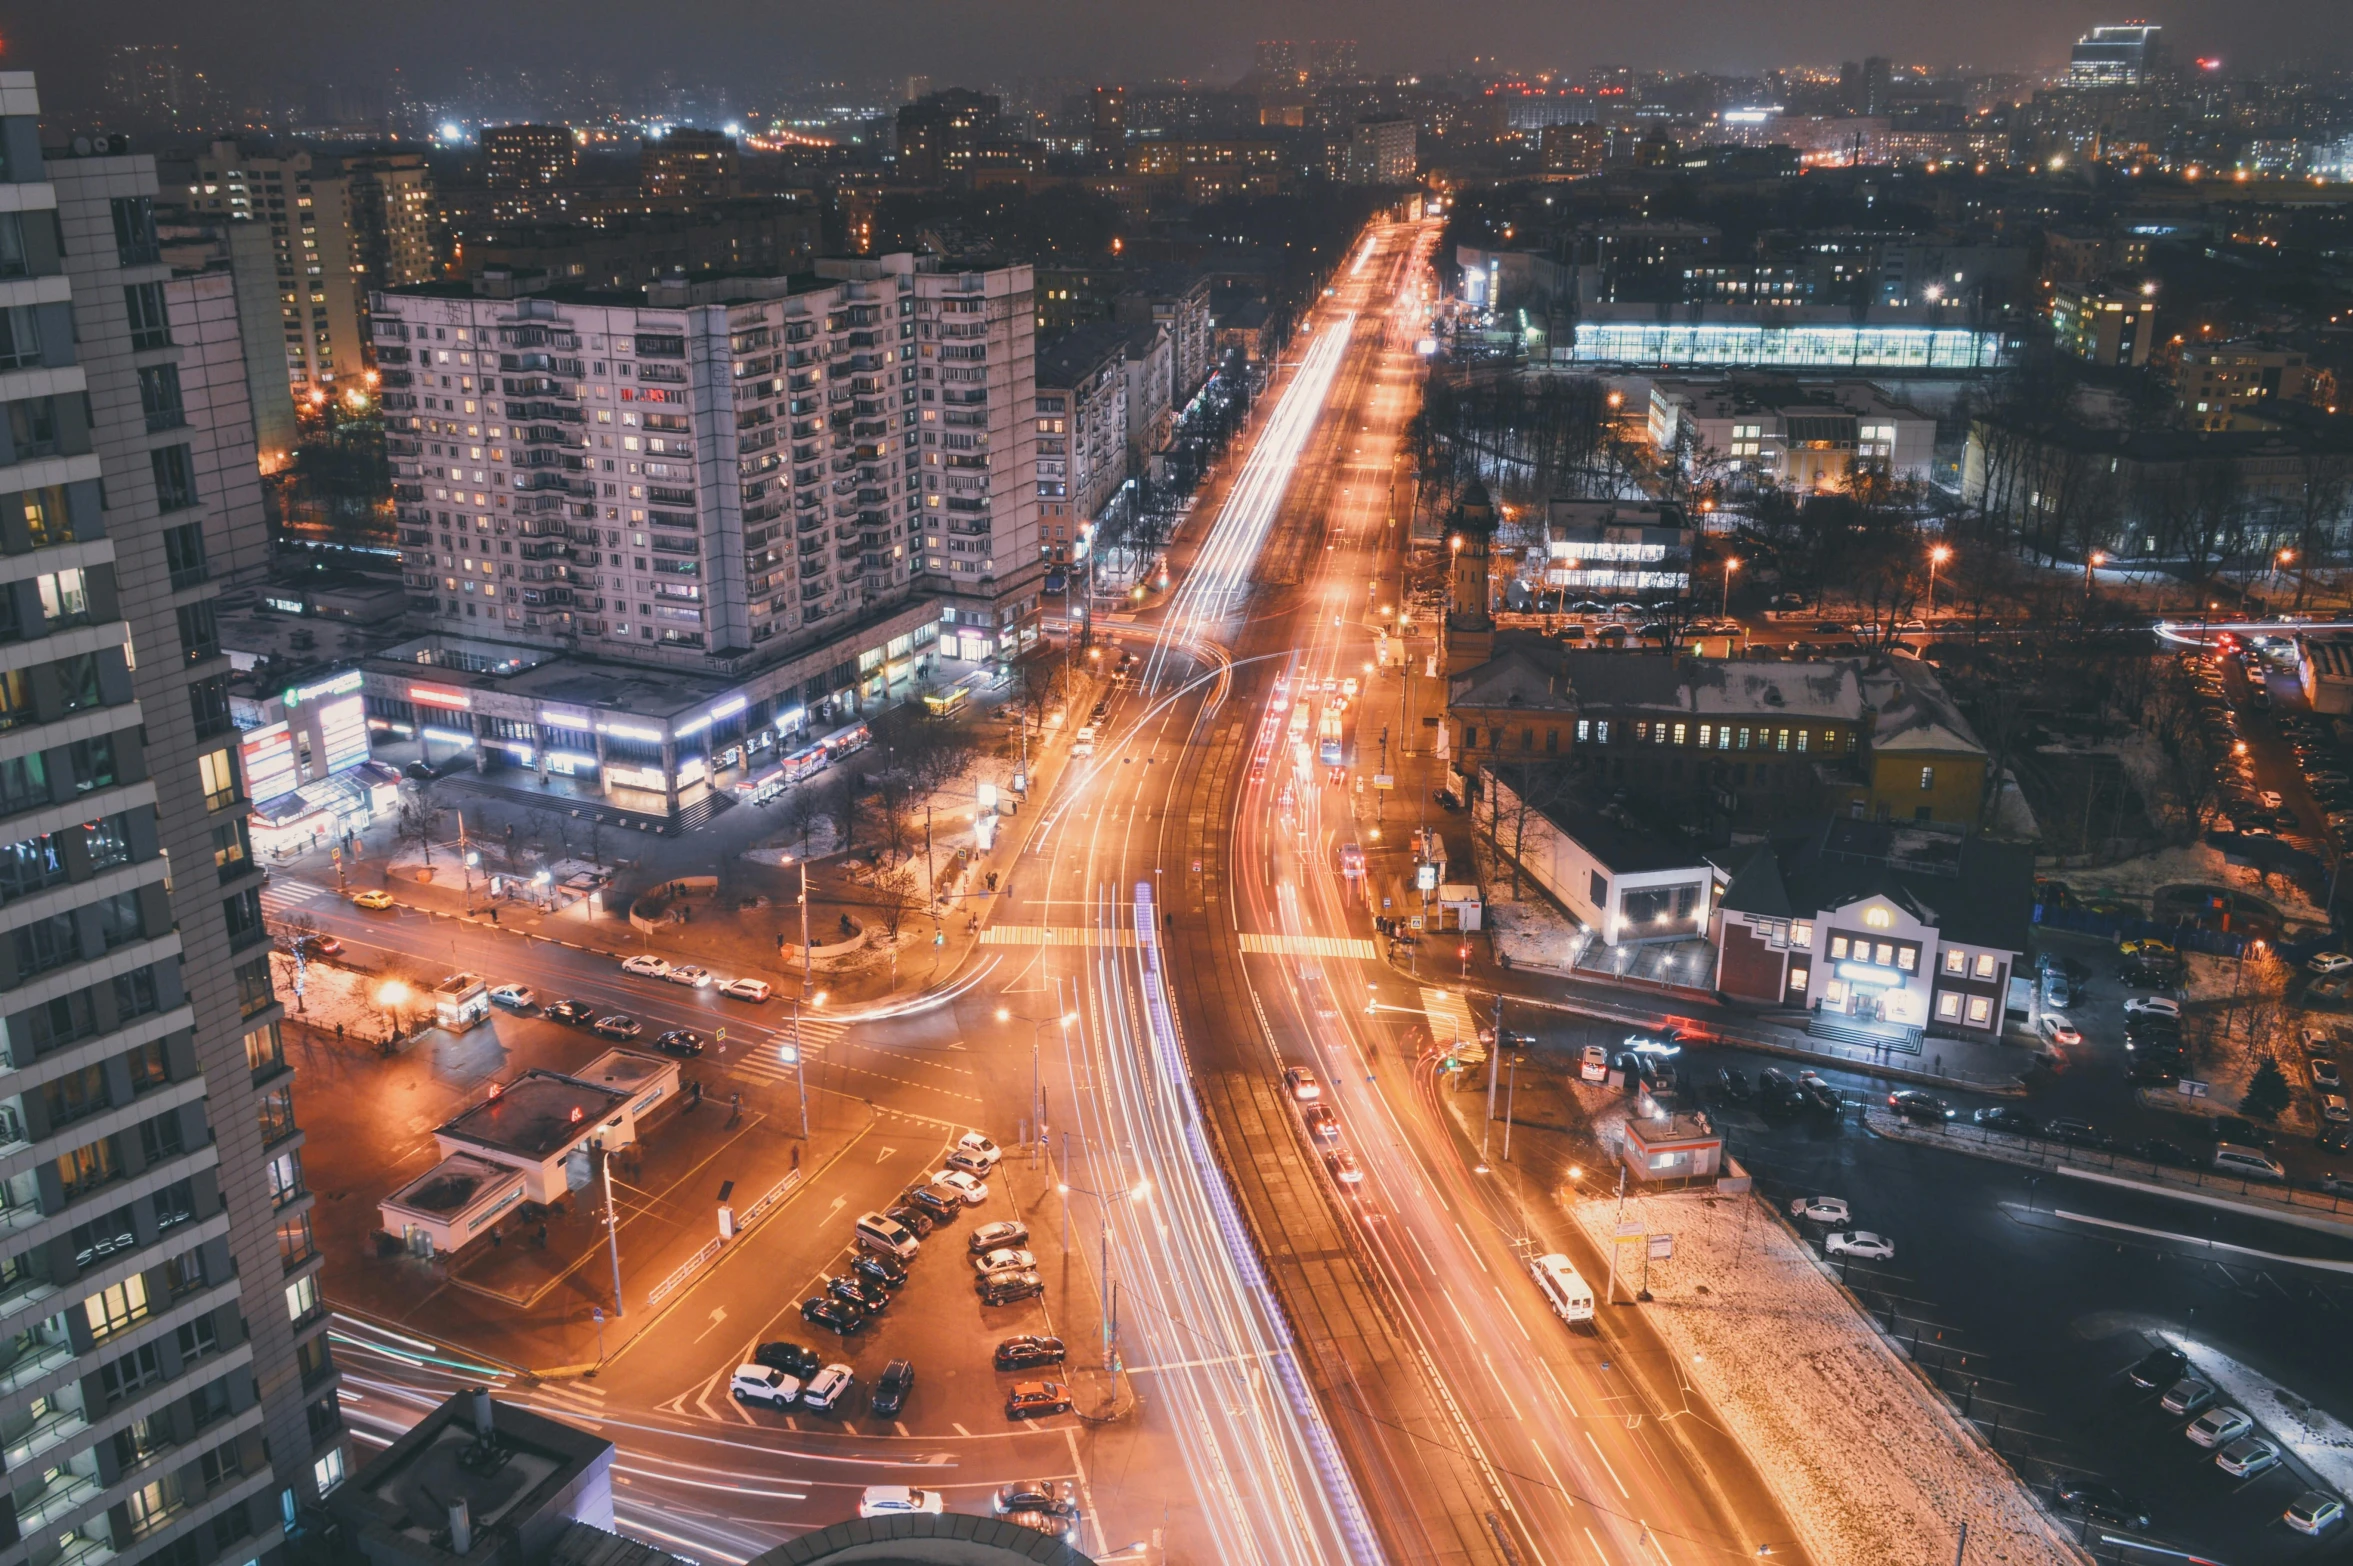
column 1037, row 1101
column 2092, row 562
column 1936, row 557
column 1731, row 564
column 1110, row 1319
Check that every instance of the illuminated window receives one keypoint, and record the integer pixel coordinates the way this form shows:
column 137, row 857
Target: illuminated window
column 1838, row 948
column 1908, row 958
column 1801, row 739
column 1797, row 977
column 1955, row 961
column 1927, row 779
column 1948, row 1006
column 1724, row 737
column 1878, row 918
column 1704, row 730
column 1986, row 965
column 1980, row 1009
column 1781, row 740
column 1678, row 733
column 1801, row 934
column 1884, row 955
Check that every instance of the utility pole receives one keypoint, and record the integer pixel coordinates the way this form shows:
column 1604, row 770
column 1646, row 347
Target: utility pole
column 612, row 1225
column 1511, row 1099
column 1492, row 1056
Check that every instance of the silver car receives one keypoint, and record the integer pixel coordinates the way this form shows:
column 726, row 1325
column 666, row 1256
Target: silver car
column 2247, row 1457
column 2219, row 1426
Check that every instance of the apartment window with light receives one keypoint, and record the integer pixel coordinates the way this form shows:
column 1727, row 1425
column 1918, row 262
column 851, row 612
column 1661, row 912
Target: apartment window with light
column 1927, row 779
column 1986, row 965
column 1955, row 961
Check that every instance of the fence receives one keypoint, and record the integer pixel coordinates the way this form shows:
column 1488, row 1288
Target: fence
column 712, row 1247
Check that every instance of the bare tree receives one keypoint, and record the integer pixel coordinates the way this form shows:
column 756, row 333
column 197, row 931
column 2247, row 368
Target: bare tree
column 803, row 809
column 845, row 803
column 419, row 820
column 896, row 894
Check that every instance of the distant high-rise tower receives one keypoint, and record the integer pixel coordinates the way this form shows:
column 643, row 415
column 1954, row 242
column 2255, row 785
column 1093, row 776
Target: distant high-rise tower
column 685, row 163
column 1331, row 60
column 1470, row 625
column 1278, row 57
column 144, row 87
column 527, row 168
column 1108, row 139
column 915, row 89
column 938, row 134
column 2117, row 56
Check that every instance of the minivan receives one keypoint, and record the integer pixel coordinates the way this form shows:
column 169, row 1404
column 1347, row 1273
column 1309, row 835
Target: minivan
column 2247, row 1162
column 1593, row 1064
column 1570, row 1296
column 889, row 1236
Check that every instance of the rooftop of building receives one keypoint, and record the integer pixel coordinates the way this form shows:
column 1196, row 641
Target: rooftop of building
column 1740, row 394
column 537, row 1114
column 1911, row 711
column 450, row 1186
column 1974, row 890
column 1716, row 687
column 1660, row 1130
column 1070, row 356
column 511, row 1467
column 571, row 678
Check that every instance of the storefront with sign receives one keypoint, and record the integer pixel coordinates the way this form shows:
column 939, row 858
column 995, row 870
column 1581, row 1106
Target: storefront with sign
column 306, row 764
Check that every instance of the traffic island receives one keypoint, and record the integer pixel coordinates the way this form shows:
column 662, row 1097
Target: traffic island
column 1867, row 1462
column 537, row 1277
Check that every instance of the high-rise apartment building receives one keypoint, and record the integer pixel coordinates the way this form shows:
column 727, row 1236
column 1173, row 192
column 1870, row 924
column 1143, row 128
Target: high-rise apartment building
column 2117, row 56
column 1381, row 151
column 165, row 1384
column 686, row 164
column 527, row 169
column 2111, row 323
column 146, row 88
column 695, row 473
column 338, row 226
column 939, row 134
column 1107, row 137
column 1082, row 432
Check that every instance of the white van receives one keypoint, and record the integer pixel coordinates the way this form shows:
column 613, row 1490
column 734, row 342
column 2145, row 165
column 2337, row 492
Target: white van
column 1084, row 743
column 1571, row 1296
column 1594, row 1063
column 880, row 1232
column 2246, row 1162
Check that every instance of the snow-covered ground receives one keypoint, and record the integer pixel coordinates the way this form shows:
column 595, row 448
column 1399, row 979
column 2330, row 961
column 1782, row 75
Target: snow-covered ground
column 2201, row 864
column 1868, row 1463
column 1528, row 929
column 2316, row 1438
column 332, row 997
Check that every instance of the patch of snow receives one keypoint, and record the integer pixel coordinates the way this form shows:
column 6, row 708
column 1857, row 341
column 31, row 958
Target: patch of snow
column 1867, row 1462
column 2316, row 1438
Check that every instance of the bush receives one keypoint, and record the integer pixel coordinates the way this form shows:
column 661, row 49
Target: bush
column 2267, row 1092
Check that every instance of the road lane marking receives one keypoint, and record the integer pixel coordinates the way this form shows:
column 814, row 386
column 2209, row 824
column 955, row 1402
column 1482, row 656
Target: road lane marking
column 959, row 1429
column 1513, row 1314
column 1311, row 946
column 2319, row 1262
column 1605, row 1464
column 1557, row 1387
column 718, row 1315
column 1468, row 1246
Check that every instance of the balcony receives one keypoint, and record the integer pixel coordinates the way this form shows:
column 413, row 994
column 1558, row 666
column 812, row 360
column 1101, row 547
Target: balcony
column 56, row 1499
column 29, row 1439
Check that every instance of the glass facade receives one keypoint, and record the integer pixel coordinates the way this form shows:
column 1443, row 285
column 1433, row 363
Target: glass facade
column 1787, row 347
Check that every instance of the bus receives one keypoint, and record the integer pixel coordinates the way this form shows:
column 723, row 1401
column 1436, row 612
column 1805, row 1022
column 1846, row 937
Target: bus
column 806, row 762
column 1328, row 739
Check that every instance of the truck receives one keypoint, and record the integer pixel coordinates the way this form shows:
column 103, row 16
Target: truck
column 1569, row 1295
column 1329, row 739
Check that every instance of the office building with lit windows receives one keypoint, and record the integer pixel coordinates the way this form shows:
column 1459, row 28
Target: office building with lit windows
column 165, row 1382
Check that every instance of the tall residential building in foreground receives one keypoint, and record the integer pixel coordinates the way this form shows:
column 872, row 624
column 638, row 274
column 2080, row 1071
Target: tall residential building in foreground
column 165, row 1390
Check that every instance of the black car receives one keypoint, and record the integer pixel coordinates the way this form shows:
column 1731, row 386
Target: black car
column 795, row 1361
column 890, row 1393
column 919, row 1222
column 2102, row 1503
column 1819, row 1095
column 1916, row 1105
column 1733, row 1083
column 938, row 1201
column 2004, row 1118
column 1028, row 1352
column 2075, row 1133
column 885, row 1271
column 1775, row 1090
column 1005, row 1288
column 680, row 1041
column 833, row 1315
column 2230, row 1128
column 578, row 1013
column 2336, row 1138
column 2159, row 1151
column 858, row 1293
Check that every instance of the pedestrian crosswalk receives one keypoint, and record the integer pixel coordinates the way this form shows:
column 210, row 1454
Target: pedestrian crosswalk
column 576, row 1400
column 1054, row 935
column 282, row 896
column 1450, row 1018
column 763, row 1061
column 1311, row 946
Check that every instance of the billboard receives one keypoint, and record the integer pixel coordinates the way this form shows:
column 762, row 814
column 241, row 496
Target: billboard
column 343, row 735
column 268, row 757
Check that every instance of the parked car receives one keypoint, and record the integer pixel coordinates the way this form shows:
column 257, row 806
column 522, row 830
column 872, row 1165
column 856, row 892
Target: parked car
column 2102, row 1503
column 2160, row 1367
column 618, row 1026
column 833, row 1315
column 514, row 997
column 1036, row 1399
column 2001, row 1117
column 974, row 1191
column 1820, row 1209
column 919, row 1219
column 2161, row 1152
column 688, row 974
column 995, row 1236
column 1036, row 1495
column 680, row 1041
column 2247, row 1456
column 886, row 1271
column 826, row 1389
column 795, row 1361
column 374, row 898
column 2189, row 1395
column 2062, row 1032
column 2075, row 1133
column 2325, row 1074
column 1819, row 1095
column 746, row 989
column 860, row 1294
column 759, row 1384
column 646, row 966
column 938, row 1201
column 1004, row 1259
column 890, row 1392
column 2314, row 1512
column 898, row 1500
column 975, row 1152
column 1028, row 1352
column 2219, row 1426
column 1007, row 1288
column 2328, row 962
column 2152, row 1006
column 1733, row 1083
column 1913, row 1104
column 1870, row 1247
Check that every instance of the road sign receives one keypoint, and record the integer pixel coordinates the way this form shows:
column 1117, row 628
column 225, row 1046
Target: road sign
column 1631, row 1231
column 722, row 1035
column 1384, row 780
column 1662, row 1247
column 2190, row 1089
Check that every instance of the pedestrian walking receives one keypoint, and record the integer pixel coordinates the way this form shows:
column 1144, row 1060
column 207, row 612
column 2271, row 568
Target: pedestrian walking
column 338, row 1032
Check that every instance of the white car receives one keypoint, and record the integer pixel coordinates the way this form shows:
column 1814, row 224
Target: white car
column 898, row 1500
column 1348, row 687
column 688, row 973
column 1005, row 1259
column 1871, row 1247
column 2314, row 1512
column 2219, row 1426
column 2317, row 1041
column 746, row 989
column 975, row 1152
column 974, row 1191
column 514, row 997
column 759, row 1384
column 2269, row 799
column 2328, row 962
column 2152, row 1006
column 2247, row 1457
column 825, row 1388
column 2334, row 1109
column 646, row 966
column 1821, row 1209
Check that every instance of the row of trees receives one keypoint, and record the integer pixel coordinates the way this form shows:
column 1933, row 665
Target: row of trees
column 1526, row 437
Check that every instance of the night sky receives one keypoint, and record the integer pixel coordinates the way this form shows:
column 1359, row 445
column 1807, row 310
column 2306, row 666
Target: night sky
column 745, row 45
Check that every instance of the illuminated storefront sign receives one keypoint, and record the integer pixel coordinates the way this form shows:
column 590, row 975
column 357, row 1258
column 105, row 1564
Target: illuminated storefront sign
column 441, row 696
column 343, row 734
column 343, row 684
column 268, row 756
